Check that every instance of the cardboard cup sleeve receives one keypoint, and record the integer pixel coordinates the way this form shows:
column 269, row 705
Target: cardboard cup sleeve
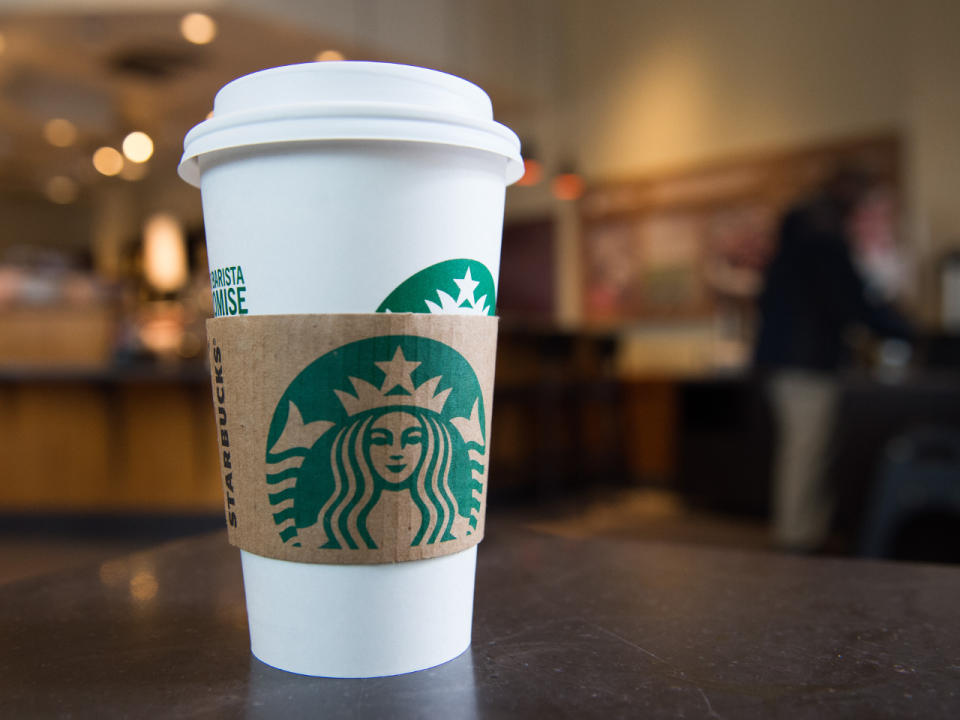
column 353, row 439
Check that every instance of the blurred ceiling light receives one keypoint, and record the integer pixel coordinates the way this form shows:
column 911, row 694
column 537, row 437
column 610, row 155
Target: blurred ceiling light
column 133, row 171
column 144, row 586
column 108, row 161
column 61, row 190
column 532, row 173
column 198, row 28
column 329, row 56
column 164, row 253
column 567, row 186
column 138, row 147
column 60, row 132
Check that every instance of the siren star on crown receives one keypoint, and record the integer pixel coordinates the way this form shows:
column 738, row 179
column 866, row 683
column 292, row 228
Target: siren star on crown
column 398, row 372
column 466, row 302
column 468, row 287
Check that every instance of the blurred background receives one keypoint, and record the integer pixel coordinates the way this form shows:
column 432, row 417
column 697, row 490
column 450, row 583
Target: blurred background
column 665, row 143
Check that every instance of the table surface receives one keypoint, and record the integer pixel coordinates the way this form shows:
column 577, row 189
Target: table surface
column 563, row 628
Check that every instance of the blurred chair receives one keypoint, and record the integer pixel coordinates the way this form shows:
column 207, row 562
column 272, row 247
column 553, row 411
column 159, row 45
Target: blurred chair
column 914, row 509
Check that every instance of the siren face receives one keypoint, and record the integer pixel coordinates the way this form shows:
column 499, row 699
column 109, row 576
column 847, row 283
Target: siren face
column 395, row 446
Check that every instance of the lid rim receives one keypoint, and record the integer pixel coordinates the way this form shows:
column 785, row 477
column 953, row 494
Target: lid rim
column 189, row 166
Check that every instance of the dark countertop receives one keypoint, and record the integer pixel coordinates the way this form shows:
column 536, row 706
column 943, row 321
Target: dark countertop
column 563, row 628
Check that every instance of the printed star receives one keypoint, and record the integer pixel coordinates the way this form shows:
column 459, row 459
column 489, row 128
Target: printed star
column 398, row 371
column 467, row 287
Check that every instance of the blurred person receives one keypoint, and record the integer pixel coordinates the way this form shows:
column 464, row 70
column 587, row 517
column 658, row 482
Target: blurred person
column 813, row 297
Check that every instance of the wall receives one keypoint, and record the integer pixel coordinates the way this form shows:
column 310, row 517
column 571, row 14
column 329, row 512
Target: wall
column 31, row 220
column 934, row 132
column 665, row 84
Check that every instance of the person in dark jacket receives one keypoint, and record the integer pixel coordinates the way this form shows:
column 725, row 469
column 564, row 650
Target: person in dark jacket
column 813, row 296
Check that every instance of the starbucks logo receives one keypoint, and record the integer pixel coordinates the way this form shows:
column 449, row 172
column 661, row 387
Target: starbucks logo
column 396, row 419
column 463, row 287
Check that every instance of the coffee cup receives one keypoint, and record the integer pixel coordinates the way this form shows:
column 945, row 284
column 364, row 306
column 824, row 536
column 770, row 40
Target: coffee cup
column 353, row 188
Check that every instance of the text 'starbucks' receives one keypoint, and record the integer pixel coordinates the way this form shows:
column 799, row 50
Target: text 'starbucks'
column 223, row 433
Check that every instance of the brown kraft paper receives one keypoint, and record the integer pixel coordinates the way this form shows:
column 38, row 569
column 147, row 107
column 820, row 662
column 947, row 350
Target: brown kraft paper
column 353, row 439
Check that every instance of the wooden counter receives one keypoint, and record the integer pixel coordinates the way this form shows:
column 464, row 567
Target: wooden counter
column 136, row 439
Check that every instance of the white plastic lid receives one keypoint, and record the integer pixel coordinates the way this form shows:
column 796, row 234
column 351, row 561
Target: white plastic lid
column 350, row 101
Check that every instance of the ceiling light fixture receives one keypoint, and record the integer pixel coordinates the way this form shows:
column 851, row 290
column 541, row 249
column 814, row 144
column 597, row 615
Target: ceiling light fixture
column 60, row 132
column 567, row 186
column 198, row 28
column 61, row 190
column 165, row 253
column 108, row 161
column 138, row 147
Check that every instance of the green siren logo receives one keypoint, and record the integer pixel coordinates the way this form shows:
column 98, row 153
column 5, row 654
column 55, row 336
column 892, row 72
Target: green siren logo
column 463, row 287
column 396, row 414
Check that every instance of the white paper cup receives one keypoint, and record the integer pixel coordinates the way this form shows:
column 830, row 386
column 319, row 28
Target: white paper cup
column 325, row 188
